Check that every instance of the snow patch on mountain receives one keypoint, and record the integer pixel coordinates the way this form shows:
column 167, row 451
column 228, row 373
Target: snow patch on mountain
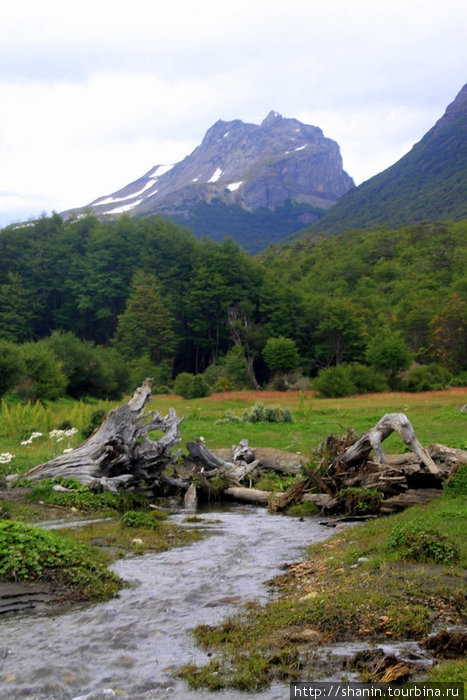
column 160, row 170
column 124, row 208
column 234, row 186
column 216, row 175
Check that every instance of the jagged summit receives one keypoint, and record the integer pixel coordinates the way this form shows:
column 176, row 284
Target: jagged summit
column 250, row 166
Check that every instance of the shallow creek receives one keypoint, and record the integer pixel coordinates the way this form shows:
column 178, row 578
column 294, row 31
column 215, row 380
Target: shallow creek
column 131, row 646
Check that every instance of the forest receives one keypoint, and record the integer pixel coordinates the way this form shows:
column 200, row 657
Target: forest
column 90, row 308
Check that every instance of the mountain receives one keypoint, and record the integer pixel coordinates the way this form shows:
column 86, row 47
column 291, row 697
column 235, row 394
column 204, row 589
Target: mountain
column 428, row 183
column 255, row 183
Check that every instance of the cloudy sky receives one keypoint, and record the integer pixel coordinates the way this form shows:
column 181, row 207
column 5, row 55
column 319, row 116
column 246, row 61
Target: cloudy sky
column 93, row 94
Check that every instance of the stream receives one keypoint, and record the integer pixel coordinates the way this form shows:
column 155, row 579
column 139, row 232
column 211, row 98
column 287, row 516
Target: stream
column 131, row 646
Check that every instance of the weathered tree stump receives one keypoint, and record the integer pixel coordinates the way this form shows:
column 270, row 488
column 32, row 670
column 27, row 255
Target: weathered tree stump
column 120, row 453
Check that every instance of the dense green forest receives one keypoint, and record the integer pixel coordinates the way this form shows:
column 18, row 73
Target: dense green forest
column 120, row 300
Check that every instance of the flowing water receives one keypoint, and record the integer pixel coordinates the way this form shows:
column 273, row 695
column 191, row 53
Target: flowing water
column 131, row 646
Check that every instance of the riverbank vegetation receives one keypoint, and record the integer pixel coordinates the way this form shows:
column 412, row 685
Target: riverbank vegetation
column 396, row 578
column 392, row 579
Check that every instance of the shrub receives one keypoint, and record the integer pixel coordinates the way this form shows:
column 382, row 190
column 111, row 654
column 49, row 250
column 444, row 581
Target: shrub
column 94, row 422
column 44, row 379
column 134, row 518
column 335, row 382
column 91, row 370
column 184, row 384
column 428, row 378
column 417, row 542
column 367, row 380
column 348, row 379
column 11, row 365
column 229, row 417
column 359, row 501
column 199, row 388
column 272, row 414
column 258, row 413
column 30, row 553
column 222, row 384
column 213, row 374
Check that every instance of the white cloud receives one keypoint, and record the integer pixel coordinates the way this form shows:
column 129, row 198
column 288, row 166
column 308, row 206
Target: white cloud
column 94, row 94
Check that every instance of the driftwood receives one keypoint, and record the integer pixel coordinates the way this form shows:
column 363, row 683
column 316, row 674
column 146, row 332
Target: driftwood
column 120, row 453
column 235, row 472
column 372, row 439
column 248, row 495
column 402, row 480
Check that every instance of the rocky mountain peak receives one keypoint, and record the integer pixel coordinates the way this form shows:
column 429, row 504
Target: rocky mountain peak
column 240, row 164
column 272, row 118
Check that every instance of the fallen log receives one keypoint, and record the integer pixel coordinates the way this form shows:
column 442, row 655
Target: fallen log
column 241, row 493
column 402, row 480
column 203, row 457
column 372, row 439
column 120, row 453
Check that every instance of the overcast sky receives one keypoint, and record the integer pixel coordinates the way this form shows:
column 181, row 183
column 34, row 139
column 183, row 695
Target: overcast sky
column 93, row 94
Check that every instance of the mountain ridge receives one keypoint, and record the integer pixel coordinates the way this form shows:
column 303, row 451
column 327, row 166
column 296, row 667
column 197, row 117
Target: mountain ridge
column 256, row 167
column 429, row 182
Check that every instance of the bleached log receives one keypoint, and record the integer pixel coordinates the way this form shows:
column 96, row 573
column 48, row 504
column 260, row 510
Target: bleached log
column 242, row 452
column 240, row 493
column 202, row 456
column 372, row 439
column 120, row 452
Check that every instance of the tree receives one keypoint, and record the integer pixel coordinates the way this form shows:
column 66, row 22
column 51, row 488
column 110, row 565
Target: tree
column 16, row 309
column 388, row 353
column 247, row 336
column 340, row 333
column 146, row 327
column 449, row 334
column 44, row 378
column 11, row 365
column 236, row 368
column 281, row 354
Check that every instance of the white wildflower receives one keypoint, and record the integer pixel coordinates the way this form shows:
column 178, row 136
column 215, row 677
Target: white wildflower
column 32, row 437
column 6, row 457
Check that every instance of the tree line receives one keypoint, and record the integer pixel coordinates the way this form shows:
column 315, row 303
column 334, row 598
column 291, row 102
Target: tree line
column 111, row 302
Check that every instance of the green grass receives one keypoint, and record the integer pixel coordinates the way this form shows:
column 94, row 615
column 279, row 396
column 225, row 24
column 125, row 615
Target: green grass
column 119, row 537
column 32, row 554
column 435, row 417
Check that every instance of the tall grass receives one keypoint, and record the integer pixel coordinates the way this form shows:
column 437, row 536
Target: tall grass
column 21, row 419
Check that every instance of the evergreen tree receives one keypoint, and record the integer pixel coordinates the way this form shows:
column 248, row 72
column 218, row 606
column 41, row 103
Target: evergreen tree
column 146, row 327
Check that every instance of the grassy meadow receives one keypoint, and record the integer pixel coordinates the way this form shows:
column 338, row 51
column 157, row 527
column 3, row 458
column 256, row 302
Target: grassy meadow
column 365, row 583
column 434, row 415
